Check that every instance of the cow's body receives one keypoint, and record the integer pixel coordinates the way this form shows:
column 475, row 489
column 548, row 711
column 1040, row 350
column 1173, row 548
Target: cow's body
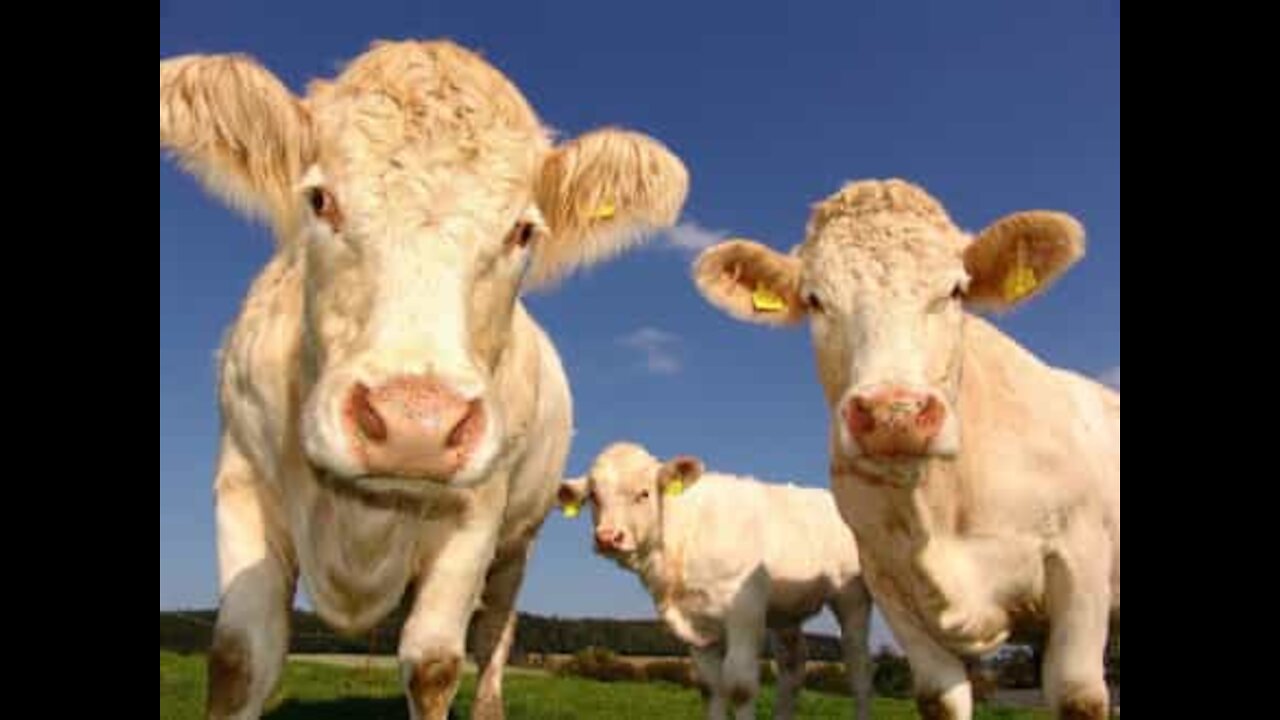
column 983, row 485
column 393, row 418
column 729, row 535
column 1029, row 508
column 731, row 557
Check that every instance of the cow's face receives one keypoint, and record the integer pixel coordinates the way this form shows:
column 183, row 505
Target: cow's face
column 627, row 489
column 883, row 277
column 423, row 193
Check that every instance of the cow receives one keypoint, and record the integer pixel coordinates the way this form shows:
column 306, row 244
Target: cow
column 982, row 484
column 726, row 558
column 394, row 422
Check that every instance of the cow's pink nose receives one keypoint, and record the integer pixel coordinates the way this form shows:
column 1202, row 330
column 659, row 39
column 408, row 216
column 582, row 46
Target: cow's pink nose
column 609, row 539
column 413, row 426
column 894, row 421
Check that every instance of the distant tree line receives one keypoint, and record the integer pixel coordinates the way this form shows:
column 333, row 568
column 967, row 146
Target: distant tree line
column 191, row 631
column 1017, row 665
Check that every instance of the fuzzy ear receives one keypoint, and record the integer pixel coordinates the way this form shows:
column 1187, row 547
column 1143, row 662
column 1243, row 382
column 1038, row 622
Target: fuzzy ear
column 1020, row 256
column 238, row 129
column 572, row 495
column 679, row 474
column 751, row 282
column 602, row 193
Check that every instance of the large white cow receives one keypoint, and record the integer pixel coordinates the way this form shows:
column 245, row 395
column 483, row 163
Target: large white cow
column 982, row 484
column 726, row 557
column 393, row 418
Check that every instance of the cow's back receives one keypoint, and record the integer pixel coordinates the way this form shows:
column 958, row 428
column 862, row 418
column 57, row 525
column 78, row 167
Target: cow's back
column 810, row 552
column 806, row 537
column 736, row 530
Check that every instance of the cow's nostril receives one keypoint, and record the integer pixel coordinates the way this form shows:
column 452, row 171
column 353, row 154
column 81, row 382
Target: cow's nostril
column 371, row 424
column 931, row 415
column 468, row 428
column 859, row 418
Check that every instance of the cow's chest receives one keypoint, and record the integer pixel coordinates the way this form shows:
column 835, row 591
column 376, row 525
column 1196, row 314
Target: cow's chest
column 355, row 560
column 966, row 592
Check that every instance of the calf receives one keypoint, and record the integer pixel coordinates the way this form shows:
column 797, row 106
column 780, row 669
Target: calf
column 393, row 418
column 982, row 484
column 726, row 558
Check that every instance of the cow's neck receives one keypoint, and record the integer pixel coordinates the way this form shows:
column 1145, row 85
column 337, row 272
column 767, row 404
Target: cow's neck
column 661, row 567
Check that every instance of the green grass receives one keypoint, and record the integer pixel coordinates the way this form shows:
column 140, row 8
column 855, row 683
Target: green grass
column 312, row 691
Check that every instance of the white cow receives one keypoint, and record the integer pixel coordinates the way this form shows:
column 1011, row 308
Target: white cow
column 726, row 557
column 982, row 484
column 393, row 418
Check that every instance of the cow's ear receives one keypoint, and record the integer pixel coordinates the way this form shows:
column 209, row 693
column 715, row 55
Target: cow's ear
column 751, row 282
column 1020, row 256
column 571, row 495
column 602, row 193
column 237, row 128
column 679, row 474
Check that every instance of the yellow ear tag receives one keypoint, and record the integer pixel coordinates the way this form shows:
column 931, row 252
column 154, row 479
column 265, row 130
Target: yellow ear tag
column 571, row 509
column 604, row 212
column 1019, row 283
column 766, row 300
column 674, row 488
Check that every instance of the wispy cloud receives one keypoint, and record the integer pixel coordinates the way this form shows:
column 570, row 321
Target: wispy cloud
column 1111, row 377
column 691, row 236
column 657, row 347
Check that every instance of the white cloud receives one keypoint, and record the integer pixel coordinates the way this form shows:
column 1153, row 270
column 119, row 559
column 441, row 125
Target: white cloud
column 689, row 235
column 1111, row 377
column 657, row 347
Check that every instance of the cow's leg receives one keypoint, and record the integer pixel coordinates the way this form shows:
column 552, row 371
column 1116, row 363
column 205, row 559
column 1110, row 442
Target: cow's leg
column 433, row 641
column 941, row 684
column 494, row 630
column 1078, row 603
column 256, row 577
column 710, row 664
column 790, row 654
column 852, row 608
column 744, row 636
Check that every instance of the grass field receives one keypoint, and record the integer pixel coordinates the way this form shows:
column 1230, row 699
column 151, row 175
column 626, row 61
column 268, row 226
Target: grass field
column 317, row 691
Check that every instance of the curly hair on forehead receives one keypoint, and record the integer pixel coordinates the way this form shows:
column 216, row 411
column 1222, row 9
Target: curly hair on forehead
column 866, row 198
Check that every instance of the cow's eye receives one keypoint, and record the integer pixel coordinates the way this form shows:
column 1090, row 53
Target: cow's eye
column 325, row 206
column 813, row 302
column 644, row 495
column 957, row 293
column 522, row 234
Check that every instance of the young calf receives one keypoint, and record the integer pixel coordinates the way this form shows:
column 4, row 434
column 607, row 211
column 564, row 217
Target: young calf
column 726, row 557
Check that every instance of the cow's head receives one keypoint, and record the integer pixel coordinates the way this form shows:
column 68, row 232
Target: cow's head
column 626, row 488
column 420, row 193
column 884, row 276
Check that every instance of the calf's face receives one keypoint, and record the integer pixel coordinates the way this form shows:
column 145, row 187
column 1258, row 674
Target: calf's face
column 627, row 489
column 884, row 277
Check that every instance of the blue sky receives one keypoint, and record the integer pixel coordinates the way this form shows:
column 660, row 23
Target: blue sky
column 993, row 106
